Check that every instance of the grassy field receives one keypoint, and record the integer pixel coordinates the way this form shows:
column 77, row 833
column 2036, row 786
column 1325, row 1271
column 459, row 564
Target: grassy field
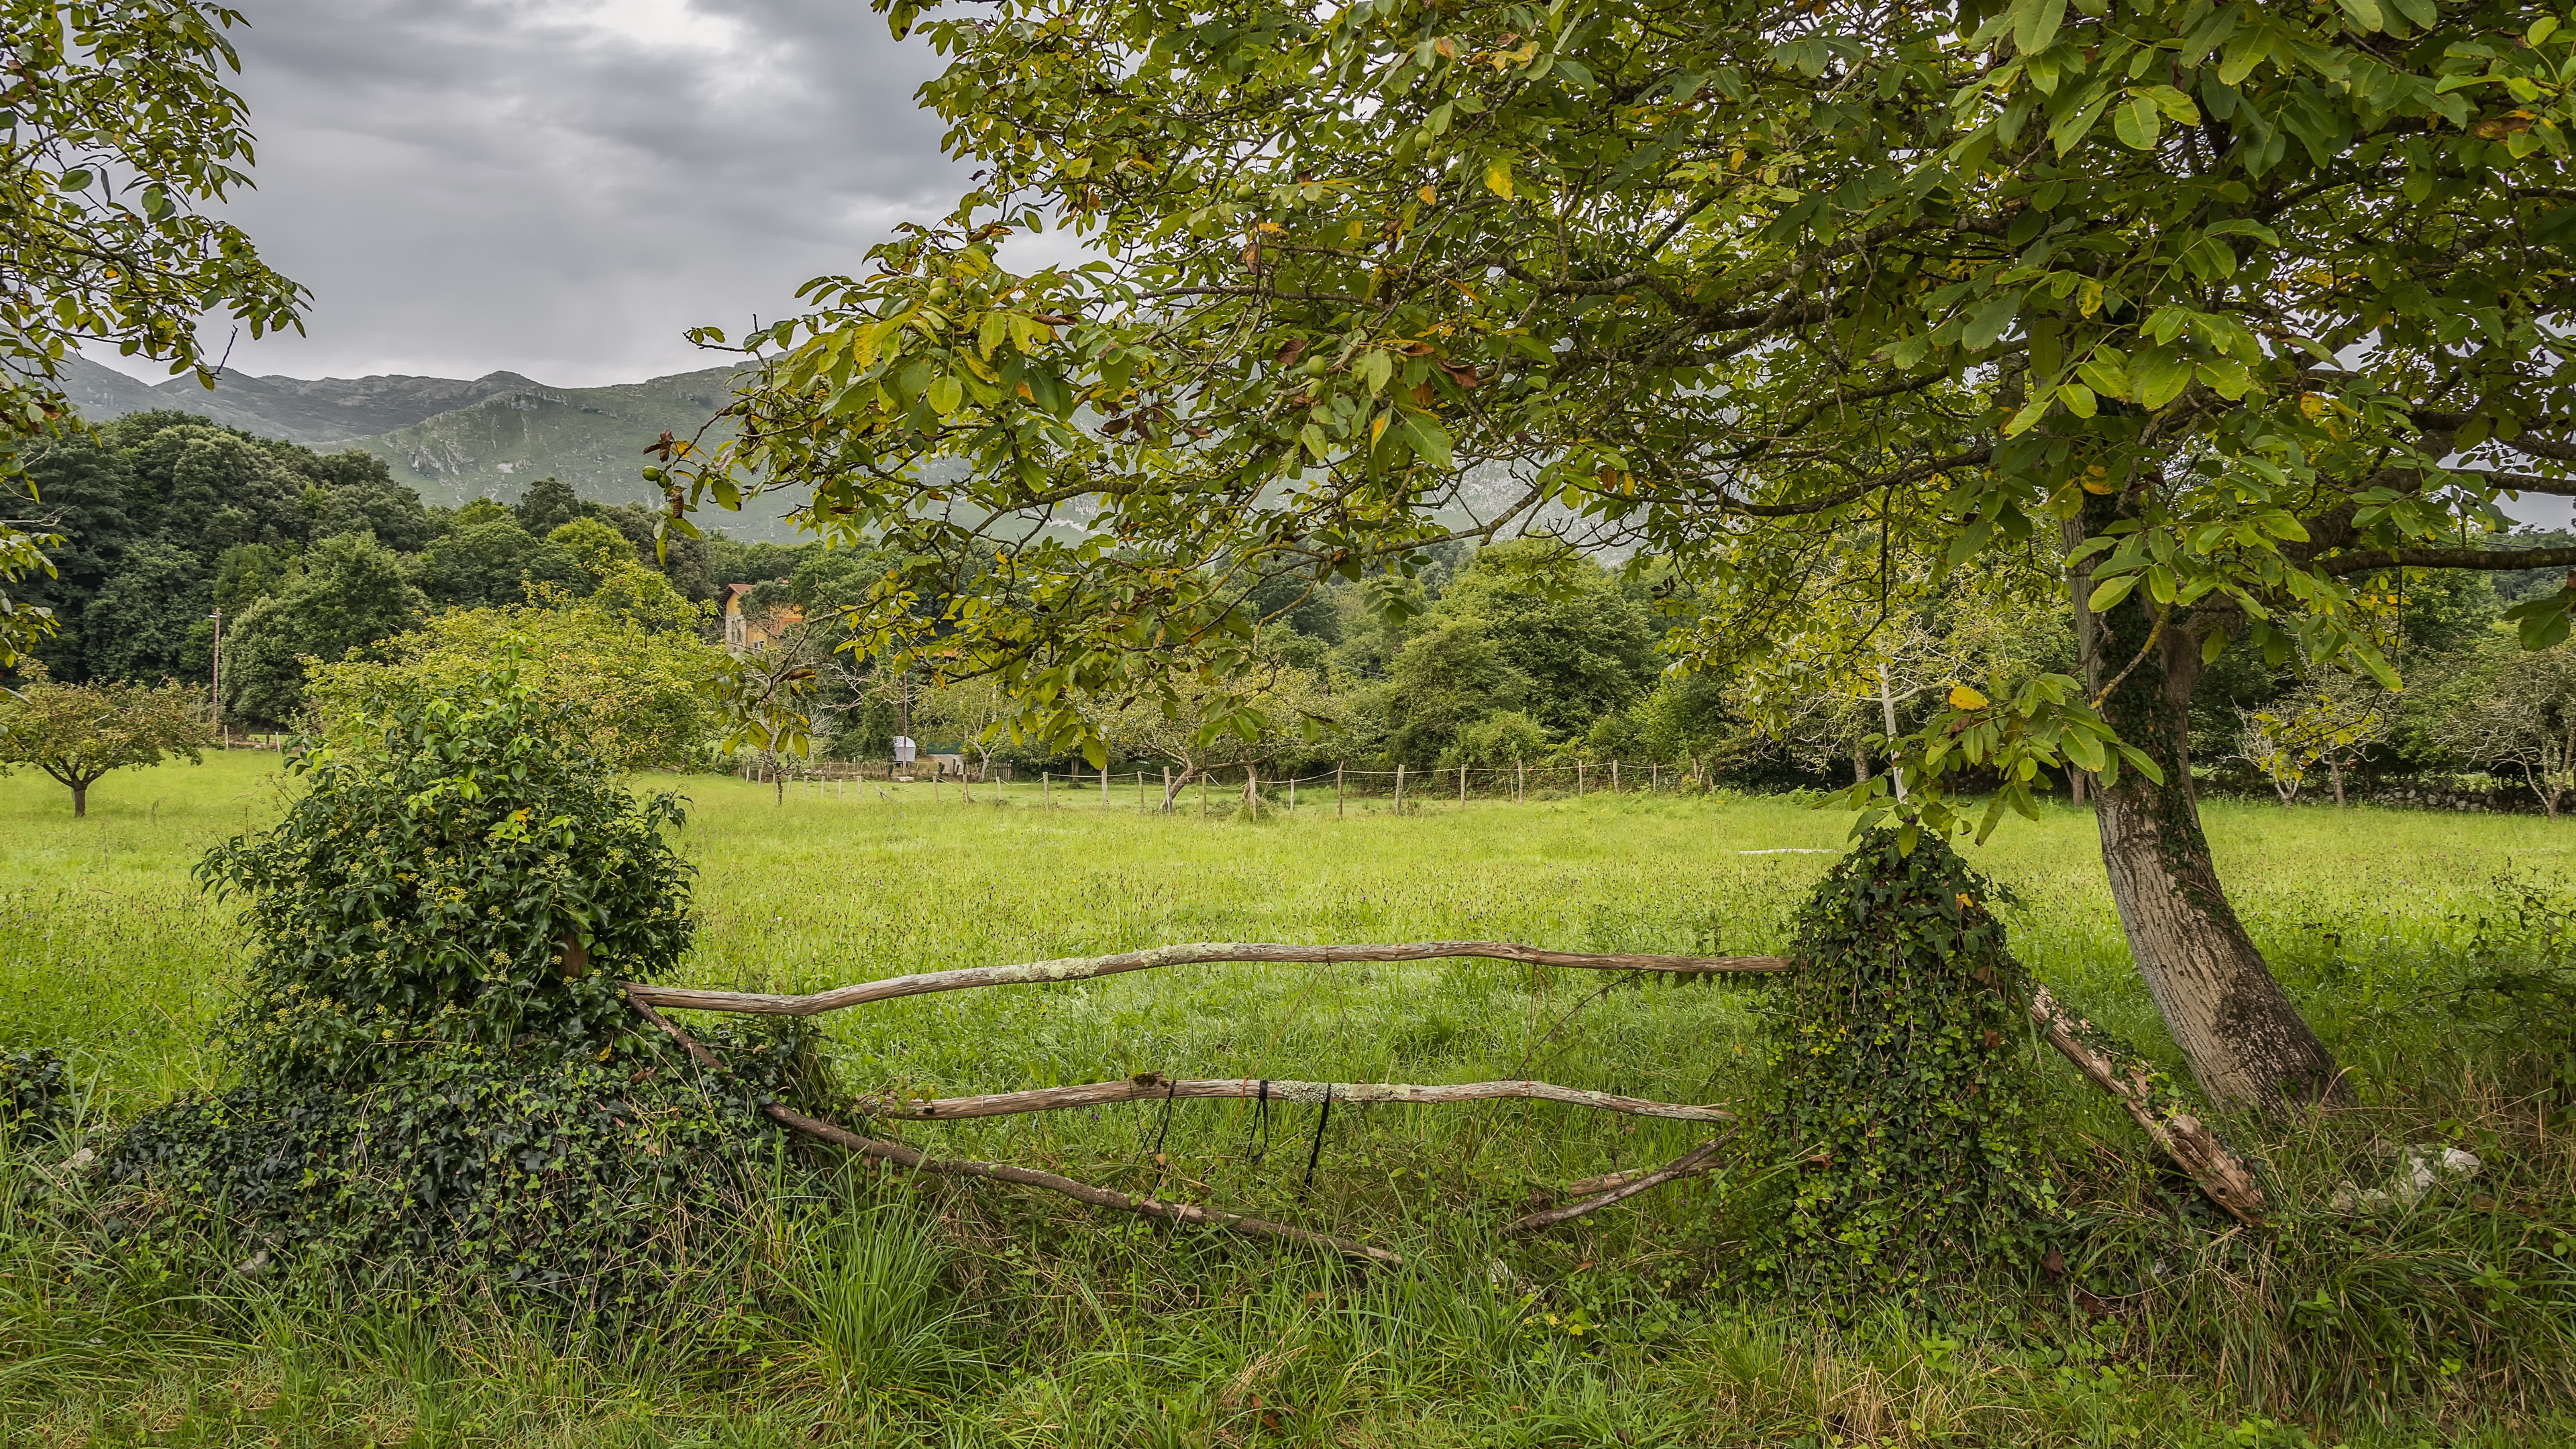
column 1629, row 1328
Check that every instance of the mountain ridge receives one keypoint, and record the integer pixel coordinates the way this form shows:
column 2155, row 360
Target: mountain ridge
column 457, row 439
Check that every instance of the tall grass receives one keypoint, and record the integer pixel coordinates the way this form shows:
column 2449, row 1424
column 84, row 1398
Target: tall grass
column 937, row 1312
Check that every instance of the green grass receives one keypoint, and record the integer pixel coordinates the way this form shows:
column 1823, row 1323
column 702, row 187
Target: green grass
column 1053, row 1327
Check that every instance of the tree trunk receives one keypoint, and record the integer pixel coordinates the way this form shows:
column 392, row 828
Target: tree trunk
column 2075, row 778
column 80, row 801
column 2334, row 772
column 1887, row 716
column 2246, row 1042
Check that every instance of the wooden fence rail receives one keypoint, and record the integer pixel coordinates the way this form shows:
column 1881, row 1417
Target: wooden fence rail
column 1085, row 968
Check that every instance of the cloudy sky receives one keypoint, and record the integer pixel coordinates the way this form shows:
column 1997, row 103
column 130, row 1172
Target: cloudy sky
column 559, row 187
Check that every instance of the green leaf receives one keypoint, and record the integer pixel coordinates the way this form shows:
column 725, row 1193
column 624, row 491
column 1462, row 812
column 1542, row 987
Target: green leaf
column 2035, row 24
column 2084, row 749
column 2137, row 124
column 2244, row 52
column 2364, row 13
column 2068, row 131
column 945, row 395
column 2029, row 416
column 2106, row 372
column 2108, row 595
column 2077, row 397
column 1430, row 440
column 1988, row 323
column 2227, row 377
column 2159, row 376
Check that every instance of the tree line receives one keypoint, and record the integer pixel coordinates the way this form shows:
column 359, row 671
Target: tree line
column 165, row 517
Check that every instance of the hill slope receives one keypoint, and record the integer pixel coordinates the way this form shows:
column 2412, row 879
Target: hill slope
column 456, row 440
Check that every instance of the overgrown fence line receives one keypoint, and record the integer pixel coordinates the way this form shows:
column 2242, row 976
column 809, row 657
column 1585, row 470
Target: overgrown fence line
column 1233, row 786
column 2118, row 1071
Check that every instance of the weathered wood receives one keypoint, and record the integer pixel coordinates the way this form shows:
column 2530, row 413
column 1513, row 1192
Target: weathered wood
column 2153, row 1105
column 1173, row 1212
column 1698, row 1159
column 1155, row 1087
column 1085, row 968
column 1608, row 1180
column 919, row 1161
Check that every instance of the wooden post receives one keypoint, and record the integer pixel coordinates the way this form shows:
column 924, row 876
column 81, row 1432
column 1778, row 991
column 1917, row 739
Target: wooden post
column 1292, row 797
column 1167, row 789
column 1462, row 784
column 1104, row 782
column 1614, row 777
column 1337, row 790
column 1399, row 788
column 1520, row 781
column 1204, row 777
column 1654, row 777
column 1140, row 792
column 1046, row 789
column 1578, row 779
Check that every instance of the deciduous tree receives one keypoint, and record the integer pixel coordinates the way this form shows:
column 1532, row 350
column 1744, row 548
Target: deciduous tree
column 2520, row 719
column 79, row 733
column 2209, row 312
column 115, row 127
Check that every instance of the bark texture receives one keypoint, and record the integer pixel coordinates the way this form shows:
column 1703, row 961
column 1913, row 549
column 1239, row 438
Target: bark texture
column 2247, row 1044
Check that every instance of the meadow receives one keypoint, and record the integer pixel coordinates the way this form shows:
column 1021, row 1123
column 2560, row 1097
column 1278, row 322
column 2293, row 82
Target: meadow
column 1025, row 1320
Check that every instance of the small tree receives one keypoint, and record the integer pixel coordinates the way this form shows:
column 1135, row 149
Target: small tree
column 2268, row 740
column 979, row 710
column 2340, row 717
column 1201, row 734
column 2524, row 720
column 77, row 733
column 761, row 694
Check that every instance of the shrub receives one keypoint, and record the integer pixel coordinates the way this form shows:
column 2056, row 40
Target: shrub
column 35, row 1095
column 439, row 1072
column 1900, row 1086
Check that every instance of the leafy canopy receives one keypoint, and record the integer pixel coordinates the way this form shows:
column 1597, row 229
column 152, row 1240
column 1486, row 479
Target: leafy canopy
column 115, row 126
column 79, row 733
column 1736, row 284
column 637, row 693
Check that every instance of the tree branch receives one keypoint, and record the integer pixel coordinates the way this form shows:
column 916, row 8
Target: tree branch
column 1695, row 1160
column 2492, row 559
column 1085, row 968
column 1155, row 1087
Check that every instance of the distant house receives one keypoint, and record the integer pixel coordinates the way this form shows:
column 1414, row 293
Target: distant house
column 745, row 630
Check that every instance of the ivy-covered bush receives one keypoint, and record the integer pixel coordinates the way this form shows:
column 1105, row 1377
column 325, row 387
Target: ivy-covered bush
column 438, row 1071
column 1899, row 1048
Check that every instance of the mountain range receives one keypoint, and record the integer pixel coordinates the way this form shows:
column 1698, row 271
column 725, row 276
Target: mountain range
column 455, row 439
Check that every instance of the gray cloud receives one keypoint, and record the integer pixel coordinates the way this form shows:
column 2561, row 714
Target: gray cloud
column 559, row 187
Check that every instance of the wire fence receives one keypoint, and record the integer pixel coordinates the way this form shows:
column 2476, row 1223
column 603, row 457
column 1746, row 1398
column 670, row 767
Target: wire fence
column 1235, row 787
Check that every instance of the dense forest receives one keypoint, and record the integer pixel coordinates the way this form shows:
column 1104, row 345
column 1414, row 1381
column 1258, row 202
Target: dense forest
column 1521, row 653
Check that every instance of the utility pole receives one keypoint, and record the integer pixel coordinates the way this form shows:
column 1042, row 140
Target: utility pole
column 218, row 617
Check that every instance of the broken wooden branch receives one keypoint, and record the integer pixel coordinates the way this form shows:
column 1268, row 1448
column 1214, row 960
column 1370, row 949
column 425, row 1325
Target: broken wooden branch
column 1698, row 1159
column 2158, row 1110
column 918, row 1161
column 1085, row 968
column 1155, row 1087
column 1608, row 1180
